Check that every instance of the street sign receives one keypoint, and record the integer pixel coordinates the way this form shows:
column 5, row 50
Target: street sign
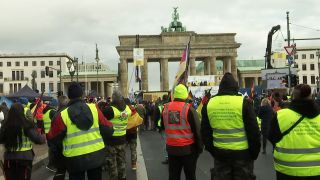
column 290, row 49
column 290, row 60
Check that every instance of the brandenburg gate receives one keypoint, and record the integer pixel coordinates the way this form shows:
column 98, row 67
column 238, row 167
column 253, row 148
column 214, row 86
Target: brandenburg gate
column 168, row 47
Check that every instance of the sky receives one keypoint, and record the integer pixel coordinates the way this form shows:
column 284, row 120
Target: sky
column 74, row 26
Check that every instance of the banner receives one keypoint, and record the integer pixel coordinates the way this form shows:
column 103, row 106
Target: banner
column 138, row 56
column 208, row 80
column 274, row 80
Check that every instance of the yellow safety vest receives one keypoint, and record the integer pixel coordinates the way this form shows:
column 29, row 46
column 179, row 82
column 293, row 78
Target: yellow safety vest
column 25, row 110
column 120, row 121
column 259, row 122
column 298, row 153
column 78, row 142
column 47, row 121
column 159, row 120
column 225, row 118
column 26, row 143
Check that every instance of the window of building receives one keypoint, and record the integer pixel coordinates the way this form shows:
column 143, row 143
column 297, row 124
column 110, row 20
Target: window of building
column 18, row 75
column 22, row 75
column 25, row 63
column 296, row 56
column 58, row 63
column 304, row 79
column 304, row 56
column 11, row 88
column 19, row 86
column 1, row 75
column 311, row 56
column 50, row 63
column 58, row 86
column 43, row 87
column 42, row 63
column 313, row 79
column 43, row 74
column 8, row 64
column 13, row 75
column 51, row 74
column 1, row 64
column 312, row 67
column 304, row 67
column 34, row 63
column 1, row 87
column 17, row 63
column 15, row 87
column 51, row 87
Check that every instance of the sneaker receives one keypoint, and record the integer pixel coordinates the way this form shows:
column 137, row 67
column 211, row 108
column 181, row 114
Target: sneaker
column 134, row 166
column 50, row 168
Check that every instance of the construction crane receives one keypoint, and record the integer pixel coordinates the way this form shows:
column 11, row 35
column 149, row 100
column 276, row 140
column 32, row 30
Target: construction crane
column 269, row 46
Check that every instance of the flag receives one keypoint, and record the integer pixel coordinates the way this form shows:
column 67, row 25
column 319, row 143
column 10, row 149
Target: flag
column 182, row 74
column 205, row 99
column 252, row 89
column 190, row 96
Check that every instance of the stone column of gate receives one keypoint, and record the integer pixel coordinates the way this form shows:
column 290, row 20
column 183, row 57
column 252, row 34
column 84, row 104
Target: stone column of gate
column 233, row 63
column 256, row 81
column 243, row 82
column 213, row 69
column 102, row 92
column 206, row 66
column 192, row 66
column 144, row 75
column 89, row 86
column 225, row 65
column 164, row 74
column 124, row 77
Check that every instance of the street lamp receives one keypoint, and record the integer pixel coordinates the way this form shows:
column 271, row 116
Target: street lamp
column 71, row 69
column 318, row 83
column 76, row 65
column 97, row 59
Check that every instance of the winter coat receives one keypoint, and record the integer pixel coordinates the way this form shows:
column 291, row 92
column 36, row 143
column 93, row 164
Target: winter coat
column 265, row 114
column 80, row 115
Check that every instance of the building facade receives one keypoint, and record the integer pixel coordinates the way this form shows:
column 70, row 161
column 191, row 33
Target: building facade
column 307, row 61
column 17, row 70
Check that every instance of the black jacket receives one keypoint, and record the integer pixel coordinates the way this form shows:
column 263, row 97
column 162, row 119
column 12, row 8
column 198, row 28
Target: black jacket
column 250, row 126
column 265, row 114
column 197, row 146
column 307, row 108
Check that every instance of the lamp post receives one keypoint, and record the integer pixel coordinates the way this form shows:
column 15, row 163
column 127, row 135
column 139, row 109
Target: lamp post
column 71, row 69
column 97, row 60
column 318, row 82
column 76, row 65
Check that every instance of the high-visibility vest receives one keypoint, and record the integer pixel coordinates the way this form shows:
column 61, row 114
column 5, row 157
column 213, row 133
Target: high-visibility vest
column 177, row 127
column 78, row 142
column 25, row 109
column 120, row 121
column 225, row 118
column 160, row 107
column 298, row 152
column 47, row 121
column 26, row 144
column 259, row 122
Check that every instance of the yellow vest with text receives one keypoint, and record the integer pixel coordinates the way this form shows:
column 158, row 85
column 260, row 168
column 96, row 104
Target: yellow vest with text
column 120, row 121
column 26, row 144
column 47, row 121
column 298, row 153
column 78, row 142
column 225, row 118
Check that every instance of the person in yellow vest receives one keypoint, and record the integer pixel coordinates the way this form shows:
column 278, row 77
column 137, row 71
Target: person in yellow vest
column 295, row 135
column 16, row 134
column 48, row 113
column 118, row 113
column 183, row 140
column 230, row 132
column 83, row 131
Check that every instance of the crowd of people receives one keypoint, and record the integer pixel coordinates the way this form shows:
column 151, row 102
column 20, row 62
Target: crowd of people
column 80, row 131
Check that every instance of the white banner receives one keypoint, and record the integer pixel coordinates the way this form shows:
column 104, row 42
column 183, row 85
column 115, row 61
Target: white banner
column 208, row 80
column 274, row 80
column 198, row 91
column 138, row 56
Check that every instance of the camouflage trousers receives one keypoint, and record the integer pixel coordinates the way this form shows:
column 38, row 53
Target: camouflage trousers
column 116, row 161
column 233, row 170
column 133, row 149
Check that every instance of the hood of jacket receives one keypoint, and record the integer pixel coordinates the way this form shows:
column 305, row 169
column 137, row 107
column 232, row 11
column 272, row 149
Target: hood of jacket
column 307, row 108
column 80, row 114
column 228, row 85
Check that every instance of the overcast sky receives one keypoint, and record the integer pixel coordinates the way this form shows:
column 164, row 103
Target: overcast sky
column 74, row 26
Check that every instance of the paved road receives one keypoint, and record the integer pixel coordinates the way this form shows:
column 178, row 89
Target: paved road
column 153, row 155
column 152, row 151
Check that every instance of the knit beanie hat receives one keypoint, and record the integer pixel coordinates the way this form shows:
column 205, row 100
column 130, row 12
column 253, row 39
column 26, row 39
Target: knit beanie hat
column 180, row 92
column 74, row 90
